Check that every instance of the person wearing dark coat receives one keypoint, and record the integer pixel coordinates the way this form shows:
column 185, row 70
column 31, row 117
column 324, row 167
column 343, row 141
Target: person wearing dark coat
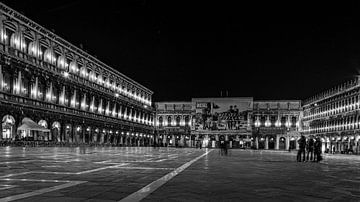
column 317, row 150
column 301, row 151
column 310, row 149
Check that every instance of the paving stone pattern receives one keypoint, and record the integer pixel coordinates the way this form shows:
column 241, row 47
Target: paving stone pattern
column 111, row 174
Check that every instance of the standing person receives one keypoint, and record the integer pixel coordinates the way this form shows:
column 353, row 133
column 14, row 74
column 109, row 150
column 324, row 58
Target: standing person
column 222, row 143
column 317, row 148
column 301, row 151
column 226, row 148
column 310, row 149
column 200, row 143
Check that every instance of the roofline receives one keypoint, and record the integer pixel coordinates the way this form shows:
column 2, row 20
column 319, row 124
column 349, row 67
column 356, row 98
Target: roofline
column 65, row 43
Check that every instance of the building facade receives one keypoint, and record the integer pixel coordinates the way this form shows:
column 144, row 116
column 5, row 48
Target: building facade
column 334, row 116
column 173, row 124
column 222, row 119
column 276, row 124
column 51, row 90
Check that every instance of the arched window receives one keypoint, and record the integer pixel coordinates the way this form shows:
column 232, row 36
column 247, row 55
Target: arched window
column 92, row 76
column 160, row 121
column 49, row 56
column 34, row 49
column 83, row 72
column 43, row 123
column 73, row 67
column 61, row 62
column 169, row 120
column 107, row 82
column 178, row 121
column 17, row 41
column 3, row 35
column 99, row 79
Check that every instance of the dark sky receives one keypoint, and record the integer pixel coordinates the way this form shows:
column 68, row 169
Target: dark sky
column 185, row 49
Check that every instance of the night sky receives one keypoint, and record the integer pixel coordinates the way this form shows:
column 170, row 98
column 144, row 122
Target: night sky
column 183, row 49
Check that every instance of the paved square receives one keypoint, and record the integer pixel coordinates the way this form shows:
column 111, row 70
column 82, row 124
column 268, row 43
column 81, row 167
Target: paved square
column 170, row 174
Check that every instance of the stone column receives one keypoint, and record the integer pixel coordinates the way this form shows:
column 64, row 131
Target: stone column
column 277, row 142
column 287, row 143
column 257, row 143
column 266, row 142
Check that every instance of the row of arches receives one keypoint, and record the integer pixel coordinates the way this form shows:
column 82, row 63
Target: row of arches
column 31, row 45
column 70, row 133
column 339, row 104
column 276, row 121
column 173, row 120
column 332, row 125
column 338, row 89
column 40, row 88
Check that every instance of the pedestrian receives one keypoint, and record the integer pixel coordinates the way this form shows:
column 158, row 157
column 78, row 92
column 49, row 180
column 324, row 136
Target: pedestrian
column 310, row 149
column 200, row 144
column 222, row 147
column 317, row 150
column 301, row 151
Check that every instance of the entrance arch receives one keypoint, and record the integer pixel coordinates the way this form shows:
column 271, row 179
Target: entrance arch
column 44, row 135
column 282, row 143
column 8, row 127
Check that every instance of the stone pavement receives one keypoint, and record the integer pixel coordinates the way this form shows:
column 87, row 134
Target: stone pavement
column 112, row 174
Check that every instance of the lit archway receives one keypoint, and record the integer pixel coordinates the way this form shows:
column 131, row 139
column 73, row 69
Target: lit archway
column 44, row 135
column 8, row 124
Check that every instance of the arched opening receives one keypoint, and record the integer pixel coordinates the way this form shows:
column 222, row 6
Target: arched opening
column 178, row 121
column 160, row 121
column 96, row 136
column 8, row 127
column 262, row 143
column 282, row 143
column 44, row 135
column 88, row 135
column 292, row 143
column 271, row 143
column 168, row 121
column 78, row 135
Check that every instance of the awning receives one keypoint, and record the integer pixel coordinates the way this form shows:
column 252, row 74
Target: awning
column 28, row 124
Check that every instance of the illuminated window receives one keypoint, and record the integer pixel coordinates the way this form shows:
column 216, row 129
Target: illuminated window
column 61, row 62
column 17, row 41
column 73, row 67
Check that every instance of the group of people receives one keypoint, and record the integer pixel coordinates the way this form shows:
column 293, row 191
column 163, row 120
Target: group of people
column 309, row 149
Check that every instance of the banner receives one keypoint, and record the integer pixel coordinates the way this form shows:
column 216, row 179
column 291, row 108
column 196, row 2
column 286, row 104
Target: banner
column 221, row 114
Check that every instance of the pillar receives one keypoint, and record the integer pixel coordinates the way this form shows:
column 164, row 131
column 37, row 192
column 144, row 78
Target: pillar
column 277, row 142
column 287, row 143
column 266, row 142
column 257, row 143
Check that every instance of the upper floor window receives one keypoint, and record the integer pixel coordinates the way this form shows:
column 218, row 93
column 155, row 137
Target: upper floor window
column 17, row 41
column 61, row 62
column 34, row 49
column 73, row 67
column 49, row 56
column 3, row 36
